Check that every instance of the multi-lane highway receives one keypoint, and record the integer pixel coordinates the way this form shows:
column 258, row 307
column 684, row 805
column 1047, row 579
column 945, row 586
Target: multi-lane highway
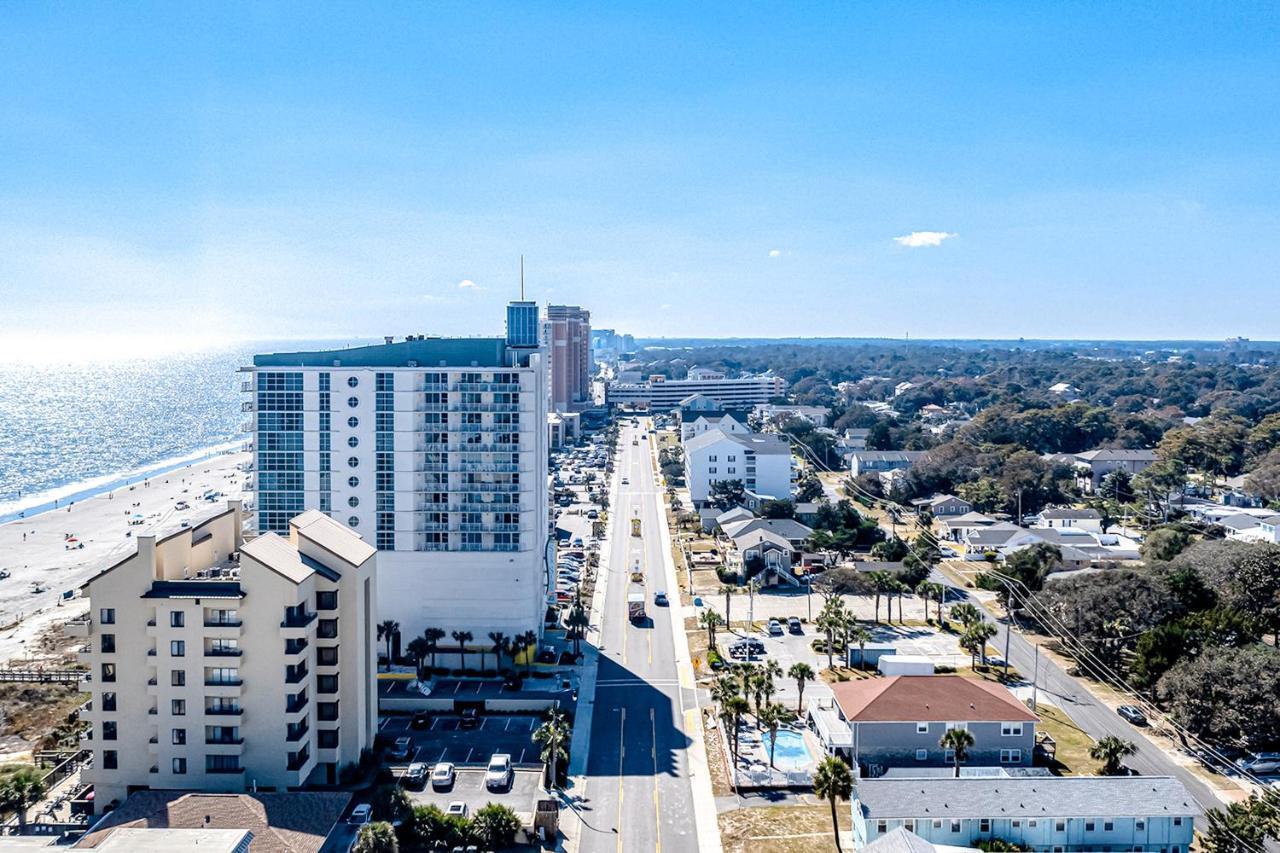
column 638, row 794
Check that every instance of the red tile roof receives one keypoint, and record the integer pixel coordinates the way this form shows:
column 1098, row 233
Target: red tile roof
column 928, row 698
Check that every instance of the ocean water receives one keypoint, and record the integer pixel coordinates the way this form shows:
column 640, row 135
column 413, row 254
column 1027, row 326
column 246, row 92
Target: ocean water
column 71, row 429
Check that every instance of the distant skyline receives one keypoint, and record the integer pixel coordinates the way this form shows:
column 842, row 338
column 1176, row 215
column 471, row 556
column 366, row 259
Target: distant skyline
column 189, row 174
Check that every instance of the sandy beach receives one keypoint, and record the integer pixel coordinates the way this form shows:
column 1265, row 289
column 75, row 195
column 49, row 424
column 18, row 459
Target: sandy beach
column 56, row 551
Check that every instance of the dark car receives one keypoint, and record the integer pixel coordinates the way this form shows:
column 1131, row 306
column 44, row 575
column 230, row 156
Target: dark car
column 470, row 719
column 1132, row 714
column 794, row 626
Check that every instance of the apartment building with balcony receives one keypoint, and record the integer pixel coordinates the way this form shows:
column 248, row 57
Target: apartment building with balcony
column 660, row 394
column 566, row 332
column 434, row 450
column 219, row 664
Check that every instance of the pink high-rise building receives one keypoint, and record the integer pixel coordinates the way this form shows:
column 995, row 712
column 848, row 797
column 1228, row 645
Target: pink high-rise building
column 567, row 337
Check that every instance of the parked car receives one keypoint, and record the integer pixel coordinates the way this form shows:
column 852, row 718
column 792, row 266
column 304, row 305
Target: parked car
column 775, row 628
column 1261, row 764
column 498, row 773
column 1133, row 714
column 794, row 626
column 442, row 775
column 416, row 774
column 400, row 749
column 457, row 807
column 593, row 513
column 660, row 599
column 626, row 481
column 470, row 719
column 360, row 815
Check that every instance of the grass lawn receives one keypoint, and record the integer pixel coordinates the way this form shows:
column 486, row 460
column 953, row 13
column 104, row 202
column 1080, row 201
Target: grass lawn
column 782, row 829
column 1072, row 758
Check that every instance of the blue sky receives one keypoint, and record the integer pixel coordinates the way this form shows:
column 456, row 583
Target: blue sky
column 200, row 170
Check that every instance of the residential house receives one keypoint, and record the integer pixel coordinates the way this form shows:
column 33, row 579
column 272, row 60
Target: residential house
column 1094, row 465
column 958, row 527
column 816, row 415
column 1065, row 390
column 880, row 461
column 793, row 532
column 999, row 538
column 853, row 439
column 1249, row 527
column 1059, row 813
column 762, row 462
column 1085, row 519
column 297, row 822
column 899, row 721
column 942, row 506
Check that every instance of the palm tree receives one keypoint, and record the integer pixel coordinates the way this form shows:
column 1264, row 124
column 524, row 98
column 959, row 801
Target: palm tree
column 387, row 629
column 772, row 672
column 753, row 586
column 761, row 685
column 418, row 649
column 499, row 641
column 801, row 672
column 433, row 636
column 20, row 791
column 528, row 643
column 927, row 589
column 727, row 590
column 833, row 782
column 966, row 614
column 377, row 837
column 462, row 638
column 724, row 688
column 974, row 639
column 553, row 735
column 878, row 581
column 711, row 620
column 959, row 741
column 578, row 623
column 899, row 588
column 733, row 708
column 861, row 636
column 830, row 620
column 1112, row 751
column 772, row 716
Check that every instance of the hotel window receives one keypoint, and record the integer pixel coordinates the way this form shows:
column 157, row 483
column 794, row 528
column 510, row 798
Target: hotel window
column 179, row 737
column 1108, row 826
column 353, row 521
column 177, row 678
column 179, row 766
column 733, row 470
column 955, row 826
column 110, row 760
column 353, row 502
column 1010, row 756
column 1090, row 826
column 353, row 462
column 108, row 672
column 1140, row 824
column 352, row 402
column 984, row 824
column 922, row 728
column 108, row 643
column 108, row 701
column 109, row 730
column 1177, row 821
column 1011, row 729
column 177, row 619
column 922, row 755
column 711, row 470
column 1060, row 826
column 107, row 616
column 178, row 707
column 327, row 599
column 177, row 648
column 352, row 381
column 327, row 656
column 327, row 739
column 353, row 441
column 353, row 482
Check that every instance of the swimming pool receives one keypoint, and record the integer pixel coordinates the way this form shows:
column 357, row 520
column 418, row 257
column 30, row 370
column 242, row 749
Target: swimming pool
column 790, row 752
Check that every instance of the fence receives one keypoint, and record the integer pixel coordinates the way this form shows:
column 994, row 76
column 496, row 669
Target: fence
column 42, row 676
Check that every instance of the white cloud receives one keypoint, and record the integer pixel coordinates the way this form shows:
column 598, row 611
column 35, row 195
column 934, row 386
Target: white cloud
column 918, row 239
column 775, row 253
column 466, row 283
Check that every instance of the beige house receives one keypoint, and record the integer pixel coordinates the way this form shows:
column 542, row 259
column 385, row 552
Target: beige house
column 217, row 664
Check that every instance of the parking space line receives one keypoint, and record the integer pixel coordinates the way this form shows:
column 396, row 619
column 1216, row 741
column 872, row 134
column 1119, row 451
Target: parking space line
column 443, row 752
column 468, row 758
column 506, row 727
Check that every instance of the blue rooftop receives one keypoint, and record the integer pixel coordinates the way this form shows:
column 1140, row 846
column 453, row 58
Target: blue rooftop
column 426, row 353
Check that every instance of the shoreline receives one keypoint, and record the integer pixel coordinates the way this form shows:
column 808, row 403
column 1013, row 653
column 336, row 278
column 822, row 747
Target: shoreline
column 60, row 497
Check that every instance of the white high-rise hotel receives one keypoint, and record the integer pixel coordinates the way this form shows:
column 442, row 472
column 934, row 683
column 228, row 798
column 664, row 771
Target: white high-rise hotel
column 435, row 451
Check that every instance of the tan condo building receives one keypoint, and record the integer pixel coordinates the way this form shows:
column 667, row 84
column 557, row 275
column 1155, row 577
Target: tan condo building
column 217, row 664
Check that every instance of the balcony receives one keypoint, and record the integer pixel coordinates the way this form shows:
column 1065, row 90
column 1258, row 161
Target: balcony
column 224, row 682
column 299, row 620
column 223, row 623
column 296, row 704
column 247, row 406
column 246, row 387
column 224, row 740
column 224, row 712
column 296, row 734
column 299, row 759
column 77, row 628
column 224, row 652
column 505, row 387
column 295, row 674
column 495, row 428
column 295, row 646
column 218, row 770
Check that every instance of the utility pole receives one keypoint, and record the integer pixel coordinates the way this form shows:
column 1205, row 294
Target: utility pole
column 809, row 594
column 1035, row 681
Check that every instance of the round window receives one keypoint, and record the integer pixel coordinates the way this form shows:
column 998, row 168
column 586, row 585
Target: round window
column 353, row 462
column 353, row 422
column 353, row 521
column 352, row 402
column 353, row 502
column 352, row 382
column 352, row 441
column 353, row 481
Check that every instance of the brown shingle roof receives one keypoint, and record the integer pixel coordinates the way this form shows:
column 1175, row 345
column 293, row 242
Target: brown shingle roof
column 928, row 698
column 280, row 823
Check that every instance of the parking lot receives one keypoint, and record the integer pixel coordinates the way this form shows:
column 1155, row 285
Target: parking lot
column 443, row 739
column 469, row 788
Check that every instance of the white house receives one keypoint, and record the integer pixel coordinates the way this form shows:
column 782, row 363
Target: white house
column 703, row 422
column 762, row 462
column 959, row 527
column 1085, row 519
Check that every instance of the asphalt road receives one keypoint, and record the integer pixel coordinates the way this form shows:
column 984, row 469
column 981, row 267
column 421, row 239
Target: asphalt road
column 637, row 794
column 1085, row 711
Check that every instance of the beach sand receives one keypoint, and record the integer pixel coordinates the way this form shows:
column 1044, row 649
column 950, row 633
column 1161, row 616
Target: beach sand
column 36, row 551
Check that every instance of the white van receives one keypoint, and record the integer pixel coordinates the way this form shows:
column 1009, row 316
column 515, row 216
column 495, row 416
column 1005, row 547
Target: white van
column 360, row 815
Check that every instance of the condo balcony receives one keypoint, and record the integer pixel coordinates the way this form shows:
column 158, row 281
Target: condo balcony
column 506, row 387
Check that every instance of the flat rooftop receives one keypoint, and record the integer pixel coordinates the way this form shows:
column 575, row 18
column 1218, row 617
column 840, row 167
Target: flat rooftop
column 419, row 352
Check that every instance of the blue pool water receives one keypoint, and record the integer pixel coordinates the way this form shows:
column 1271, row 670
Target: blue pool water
column 790, row 752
